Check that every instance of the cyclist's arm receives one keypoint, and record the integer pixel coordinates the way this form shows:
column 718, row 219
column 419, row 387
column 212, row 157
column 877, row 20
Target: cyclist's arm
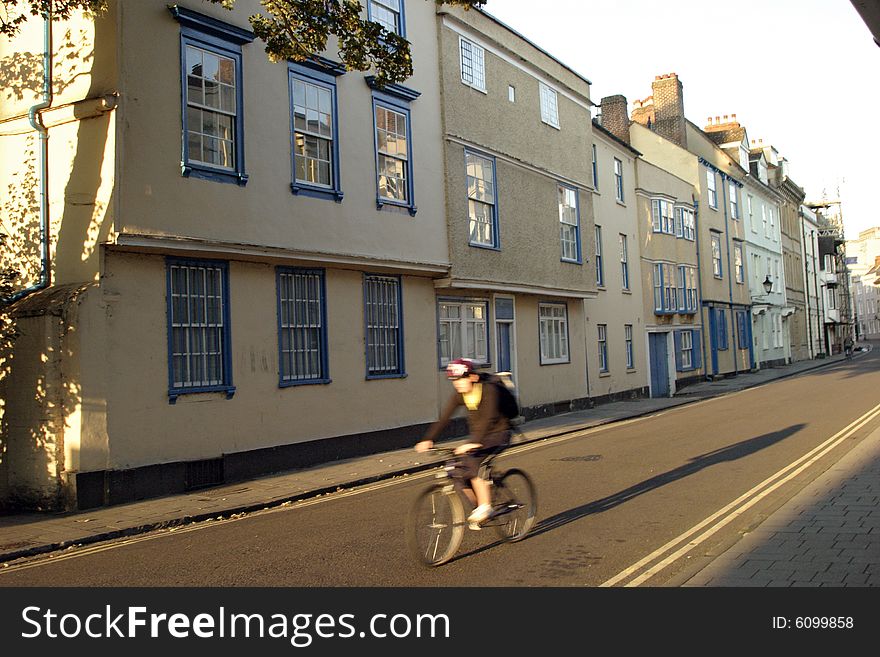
column 454, row 402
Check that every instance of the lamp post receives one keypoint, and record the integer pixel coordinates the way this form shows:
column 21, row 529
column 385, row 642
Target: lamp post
column 768, row 284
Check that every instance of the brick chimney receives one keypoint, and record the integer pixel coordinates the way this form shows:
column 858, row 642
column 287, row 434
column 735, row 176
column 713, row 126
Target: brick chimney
column 614, row 116
column 643, row 112
column 669, row 121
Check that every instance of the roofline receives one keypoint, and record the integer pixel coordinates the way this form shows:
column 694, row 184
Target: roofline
column 531, row 43
column 620, row 141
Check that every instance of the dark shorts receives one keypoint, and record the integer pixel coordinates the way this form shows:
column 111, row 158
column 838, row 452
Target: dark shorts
column 468, row 465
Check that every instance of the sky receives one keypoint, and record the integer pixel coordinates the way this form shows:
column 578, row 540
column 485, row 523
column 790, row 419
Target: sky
column 803, row 75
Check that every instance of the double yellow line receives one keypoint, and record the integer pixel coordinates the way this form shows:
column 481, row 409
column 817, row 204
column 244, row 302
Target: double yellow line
column 646, row 568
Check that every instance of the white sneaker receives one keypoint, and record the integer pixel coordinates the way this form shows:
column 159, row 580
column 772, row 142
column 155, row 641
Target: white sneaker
column 479, row 516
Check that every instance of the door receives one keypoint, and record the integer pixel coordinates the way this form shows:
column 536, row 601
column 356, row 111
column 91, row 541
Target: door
column 657, row 346
column 505, row 362
column 504, row 336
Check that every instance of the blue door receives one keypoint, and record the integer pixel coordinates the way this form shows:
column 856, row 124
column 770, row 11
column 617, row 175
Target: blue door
column 504, row 355
column 659, row 364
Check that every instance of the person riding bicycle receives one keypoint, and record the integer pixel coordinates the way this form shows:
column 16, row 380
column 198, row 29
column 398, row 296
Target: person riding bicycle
column 489, row 432
column 848, row 346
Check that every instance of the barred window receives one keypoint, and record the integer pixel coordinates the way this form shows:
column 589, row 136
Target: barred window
column 197, row 296
column 383, row 326
column 302, row 342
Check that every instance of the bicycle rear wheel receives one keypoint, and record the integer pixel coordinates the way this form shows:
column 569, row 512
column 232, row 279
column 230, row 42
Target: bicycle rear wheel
column 436, row 525
column 516, row 505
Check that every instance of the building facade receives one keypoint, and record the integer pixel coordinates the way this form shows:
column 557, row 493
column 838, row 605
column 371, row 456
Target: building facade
column 814, row 297
column 243, row 257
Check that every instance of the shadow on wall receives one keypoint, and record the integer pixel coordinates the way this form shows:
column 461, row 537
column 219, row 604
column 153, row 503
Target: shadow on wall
column 40, row 388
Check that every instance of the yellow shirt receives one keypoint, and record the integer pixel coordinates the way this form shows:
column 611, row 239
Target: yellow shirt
column 472, row 398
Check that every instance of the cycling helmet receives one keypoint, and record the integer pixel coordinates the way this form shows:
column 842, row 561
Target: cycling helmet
column 460, row 367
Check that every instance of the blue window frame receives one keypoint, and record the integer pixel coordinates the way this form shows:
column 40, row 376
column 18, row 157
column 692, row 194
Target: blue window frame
column 624, row 262
column 383, row 326
column 569, row 223
column 742, row 321
column 602, row 334
column 302, row 326
column 482, row 193
column 595, row 169
column 390, row 14
column 314, row 130
column 392, row 134
column 197, row 297
column 600, row 267
column 212, row 99
column 618, row 180
column 738, row 262
column 665, row 290
column 721, row 329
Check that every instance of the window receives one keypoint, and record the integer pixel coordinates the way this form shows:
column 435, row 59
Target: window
column 749, row 201
column 710, row 188
column 661, row 216
column 464, row 330
column 569, row 221
column 600, row 272
column 738, row 267
column 315, row 145
column 302, row 332
column 734, row 202
column 832, row 298
column 618, row 179
column 549, row 105
column 603, row 347
column 482, row 218
column 628, row 337
column 665, row 291
column 595, row 169
column 764, row 220
column 553, row 330
column 383, row 325
column 511, row 93
column 624, row 262
column 198, row 327
column 716, row 256
column 213, row 121
column 687, row 350
column 388, row 13
column 690, row 303
column 393, row 164
column 473, row 65
column 689, row 224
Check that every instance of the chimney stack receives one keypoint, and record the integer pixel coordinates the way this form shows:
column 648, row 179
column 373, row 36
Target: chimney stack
column 614, row 116
column 669, row 120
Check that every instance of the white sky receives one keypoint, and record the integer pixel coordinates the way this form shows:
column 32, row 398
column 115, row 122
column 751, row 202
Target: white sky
column 803, row 75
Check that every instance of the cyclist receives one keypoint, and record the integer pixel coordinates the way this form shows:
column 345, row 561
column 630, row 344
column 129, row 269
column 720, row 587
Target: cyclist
column 848, row 346
column 489, row 432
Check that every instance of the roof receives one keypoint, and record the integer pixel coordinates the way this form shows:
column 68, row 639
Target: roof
column 726, row 136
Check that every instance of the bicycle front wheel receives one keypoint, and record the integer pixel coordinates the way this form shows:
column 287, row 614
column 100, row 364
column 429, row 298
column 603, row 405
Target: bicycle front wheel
column 516, row 505
column 436, row 525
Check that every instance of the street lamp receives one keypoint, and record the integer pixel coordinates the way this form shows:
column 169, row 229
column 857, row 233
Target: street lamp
column 768, row 284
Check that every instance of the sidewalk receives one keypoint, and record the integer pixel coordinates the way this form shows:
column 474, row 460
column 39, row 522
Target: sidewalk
column 29, row 534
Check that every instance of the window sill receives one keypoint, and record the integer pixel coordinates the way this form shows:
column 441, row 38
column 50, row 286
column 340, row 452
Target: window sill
column 375, row 377
column 216, row 175
column 571, row 262
column 300, row 189
column 620, row 203
column 604, row 374
column 173, row 394
column 626, row 290
column 381, row 204
column 310, row 382
column 631, row 370
column 488, row 247
column 601, row 287
column 555, row 362
column 475, row 88
column 551, row 125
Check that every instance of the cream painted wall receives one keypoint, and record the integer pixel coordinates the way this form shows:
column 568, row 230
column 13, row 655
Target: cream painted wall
column 157, row 200
column 145, row 428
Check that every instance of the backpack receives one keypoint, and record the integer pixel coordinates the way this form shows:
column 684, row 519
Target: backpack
column 507, row 401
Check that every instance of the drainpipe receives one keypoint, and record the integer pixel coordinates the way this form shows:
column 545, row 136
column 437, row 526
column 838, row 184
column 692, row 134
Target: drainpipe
column 704, row 335
column 36, row 120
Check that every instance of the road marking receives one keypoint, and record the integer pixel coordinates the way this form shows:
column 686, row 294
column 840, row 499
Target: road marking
column 735, row 508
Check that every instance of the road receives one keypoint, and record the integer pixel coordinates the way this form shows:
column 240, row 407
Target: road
column 673, row 489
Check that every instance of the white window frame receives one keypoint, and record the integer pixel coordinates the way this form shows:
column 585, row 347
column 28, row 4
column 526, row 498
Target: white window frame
column 384, row 5
column 602, row 343
column 687, row 350
column 618, row 180
column 711, row 189
column 553, row 333
column 472, row 64
column 472, row 331
column 717, row 267
column 569, row 226
column 734, row 202
column 549, row 105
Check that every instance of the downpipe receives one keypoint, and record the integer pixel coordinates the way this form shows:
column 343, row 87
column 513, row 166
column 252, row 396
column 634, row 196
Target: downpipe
column 35, row 118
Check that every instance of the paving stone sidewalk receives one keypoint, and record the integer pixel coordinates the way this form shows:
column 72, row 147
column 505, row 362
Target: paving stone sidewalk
column 24, row 535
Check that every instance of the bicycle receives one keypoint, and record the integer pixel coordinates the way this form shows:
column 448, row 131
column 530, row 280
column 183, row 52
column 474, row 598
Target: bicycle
column 436, row 523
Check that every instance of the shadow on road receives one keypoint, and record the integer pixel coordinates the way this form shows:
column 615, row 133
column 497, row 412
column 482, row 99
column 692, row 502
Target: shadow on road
column 729, row 453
